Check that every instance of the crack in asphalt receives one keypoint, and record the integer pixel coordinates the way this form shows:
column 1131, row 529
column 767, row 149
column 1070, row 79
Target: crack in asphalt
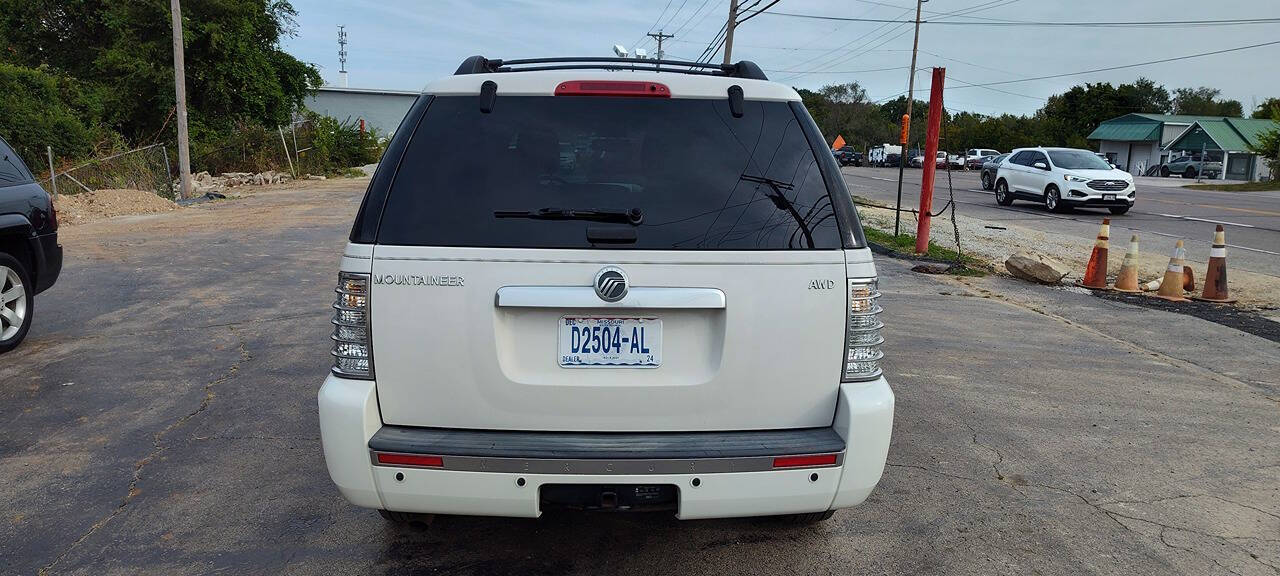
column 999, row 457
column 157, row 448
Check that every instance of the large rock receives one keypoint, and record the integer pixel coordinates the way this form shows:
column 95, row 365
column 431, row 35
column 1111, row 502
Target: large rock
column 1036, row 268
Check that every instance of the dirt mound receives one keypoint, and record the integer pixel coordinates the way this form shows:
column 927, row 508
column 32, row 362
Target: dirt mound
column 100, row 204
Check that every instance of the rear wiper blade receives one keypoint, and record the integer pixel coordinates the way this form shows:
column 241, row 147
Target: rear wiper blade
column 781, row 201
column 632, row 216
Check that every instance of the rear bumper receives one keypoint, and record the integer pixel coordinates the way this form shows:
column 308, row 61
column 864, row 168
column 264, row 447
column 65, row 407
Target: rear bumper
column 733, row 473
column 48, row 260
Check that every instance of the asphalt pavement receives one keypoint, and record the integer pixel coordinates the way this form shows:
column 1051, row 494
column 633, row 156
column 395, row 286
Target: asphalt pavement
column 1251, row 219
column 161, row 418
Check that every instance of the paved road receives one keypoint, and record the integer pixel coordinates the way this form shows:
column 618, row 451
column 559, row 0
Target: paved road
column 1252, row 219
column 161, row 419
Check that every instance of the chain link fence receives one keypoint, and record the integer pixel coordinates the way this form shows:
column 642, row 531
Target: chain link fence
column 146, row 168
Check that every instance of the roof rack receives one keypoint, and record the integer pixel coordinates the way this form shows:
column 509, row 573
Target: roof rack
column 482, row 65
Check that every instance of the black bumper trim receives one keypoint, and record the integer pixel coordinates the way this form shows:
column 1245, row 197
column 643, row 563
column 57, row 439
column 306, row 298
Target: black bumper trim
column 48, row 260
column 605, row 445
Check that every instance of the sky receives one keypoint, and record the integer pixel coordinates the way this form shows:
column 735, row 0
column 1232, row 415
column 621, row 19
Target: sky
column 403, row 44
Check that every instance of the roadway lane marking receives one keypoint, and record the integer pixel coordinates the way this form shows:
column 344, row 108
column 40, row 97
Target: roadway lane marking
column 1254, row 249
column 1223, row 222
column 1214, row 207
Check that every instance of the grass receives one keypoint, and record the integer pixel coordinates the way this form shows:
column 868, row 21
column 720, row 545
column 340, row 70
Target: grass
column 1244, row 187
column 905, row 244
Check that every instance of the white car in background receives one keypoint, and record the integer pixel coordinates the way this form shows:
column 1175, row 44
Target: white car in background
column 1064, row 178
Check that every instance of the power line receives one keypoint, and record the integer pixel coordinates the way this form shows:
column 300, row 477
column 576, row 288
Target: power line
column 758, row 12
column 962, row 12
column 1032, row 23
column 971, row 84
column 713, row 46
column 655, row 25
column 840, row 47
column 691, row 17
column 1121, row 67
column 673, row 15
column 845, row 71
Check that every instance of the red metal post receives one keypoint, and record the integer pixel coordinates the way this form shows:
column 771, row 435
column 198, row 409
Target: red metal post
column 930, row 160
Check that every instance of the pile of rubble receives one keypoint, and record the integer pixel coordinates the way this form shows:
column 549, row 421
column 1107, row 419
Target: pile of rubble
column 203, row 182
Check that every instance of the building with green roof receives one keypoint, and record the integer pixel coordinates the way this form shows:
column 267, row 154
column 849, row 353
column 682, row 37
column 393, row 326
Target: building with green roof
column 1137, row 142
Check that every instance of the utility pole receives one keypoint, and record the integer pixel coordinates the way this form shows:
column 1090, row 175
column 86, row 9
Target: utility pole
column 911, row 96
column 728, row 35
column 660, row 37
column 342, row 56
column 180, row 104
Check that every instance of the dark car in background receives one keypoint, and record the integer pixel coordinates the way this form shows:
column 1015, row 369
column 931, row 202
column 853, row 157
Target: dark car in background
column 847, row 156
column 892, row 160
column 976, row 162
column 989, row 169
column 30, row 257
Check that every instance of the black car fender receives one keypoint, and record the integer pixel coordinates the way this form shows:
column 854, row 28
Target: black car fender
column 16, row 227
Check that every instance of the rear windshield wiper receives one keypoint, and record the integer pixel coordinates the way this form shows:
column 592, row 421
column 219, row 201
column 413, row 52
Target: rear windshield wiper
column 781, row 201
column 632, row 216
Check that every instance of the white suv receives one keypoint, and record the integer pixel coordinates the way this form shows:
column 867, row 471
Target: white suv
column 1063, row 178
column 596, row 285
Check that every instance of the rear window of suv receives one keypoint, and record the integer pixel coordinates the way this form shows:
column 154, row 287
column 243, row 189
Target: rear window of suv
column 701, row 178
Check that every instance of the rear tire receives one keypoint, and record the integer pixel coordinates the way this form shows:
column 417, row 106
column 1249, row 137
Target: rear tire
column 1190, row 173
column 986, row 181
column 17, row 302
column 1164, row 171
column 806, row 519
column 1118, row 210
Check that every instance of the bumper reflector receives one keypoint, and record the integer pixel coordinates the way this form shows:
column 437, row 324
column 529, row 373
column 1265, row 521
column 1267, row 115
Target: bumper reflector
column 804, row 461
column 412, row 460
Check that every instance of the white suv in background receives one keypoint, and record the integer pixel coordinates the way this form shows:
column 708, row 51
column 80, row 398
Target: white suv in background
column 622, row 289
column 1063, row 178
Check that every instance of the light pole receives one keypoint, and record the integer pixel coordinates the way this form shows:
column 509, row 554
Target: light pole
column 906, row 130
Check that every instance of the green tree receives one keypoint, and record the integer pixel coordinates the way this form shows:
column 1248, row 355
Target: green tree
column 236, row 70
column 1268, row 145
column 1265, row 109
column 1204, row 101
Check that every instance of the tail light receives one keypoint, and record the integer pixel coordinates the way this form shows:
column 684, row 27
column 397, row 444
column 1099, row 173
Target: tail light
column 862, row 352
column 352, row 348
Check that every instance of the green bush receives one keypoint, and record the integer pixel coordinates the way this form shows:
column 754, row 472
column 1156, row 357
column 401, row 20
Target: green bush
column 338, row 145
column 40, row 108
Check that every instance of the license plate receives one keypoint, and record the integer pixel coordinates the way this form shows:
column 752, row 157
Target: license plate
column 593, row 342
column 1108, row 197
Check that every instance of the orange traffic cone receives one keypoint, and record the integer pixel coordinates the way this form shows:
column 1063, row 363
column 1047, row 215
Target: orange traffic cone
column 1095, row 273
column 1188, row 279
column 1127, row 281
column 1171, row 287
column 1215, row 279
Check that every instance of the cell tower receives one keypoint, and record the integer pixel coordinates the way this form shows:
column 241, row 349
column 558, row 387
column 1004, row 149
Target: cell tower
column 342, row 56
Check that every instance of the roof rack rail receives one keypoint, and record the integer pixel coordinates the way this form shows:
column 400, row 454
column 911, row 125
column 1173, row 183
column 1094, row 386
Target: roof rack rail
column 481, row 65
